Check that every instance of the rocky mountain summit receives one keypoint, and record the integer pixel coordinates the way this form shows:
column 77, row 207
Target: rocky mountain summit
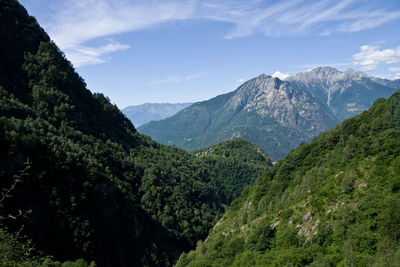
column 346, row 93
column 280, row 100
column 274, row 114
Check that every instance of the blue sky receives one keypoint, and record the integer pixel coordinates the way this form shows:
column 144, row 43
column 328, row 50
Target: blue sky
column 184, row 51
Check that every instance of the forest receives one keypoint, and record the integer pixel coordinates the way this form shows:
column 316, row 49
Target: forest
column 89, row 185
column 81, row 187
column 332, row 202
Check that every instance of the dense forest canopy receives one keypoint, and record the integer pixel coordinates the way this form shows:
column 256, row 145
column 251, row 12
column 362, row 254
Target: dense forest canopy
column 332, row 202
column 96, row 188
column 81, row 186
column 237, row 163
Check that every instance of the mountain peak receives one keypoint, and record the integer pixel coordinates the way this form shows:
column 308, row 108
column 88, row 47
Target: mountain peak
column 263, row 107
column 326, row 70
column 319, row 73
column 351, row 73
column 329, row 73
column 263, row 76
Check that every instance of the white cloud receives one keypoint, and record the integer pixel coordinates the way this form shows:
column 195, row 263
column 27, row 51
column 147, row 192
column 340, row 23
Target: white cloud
column 370, row 56
column 396, row 71
column 368, row 67
column 174, row 79
column 305, row 17
column 79, row 22
column 74, row 24
column 280, row 75
column 84, row 55
column 240, row 80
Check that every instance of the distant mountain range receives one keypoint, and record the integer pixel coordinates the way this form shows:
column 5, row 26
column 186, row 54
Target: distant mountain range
column 147, row 112
column 274, row 114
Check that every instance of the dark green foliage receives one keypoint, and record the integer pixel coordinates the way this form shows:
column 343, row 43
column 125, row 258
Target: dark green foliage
column 18, row 251
column 236, row 163
column 97, row 189
column 15, row 249
column 333, row 202
column 210, row 122
column 261, row 238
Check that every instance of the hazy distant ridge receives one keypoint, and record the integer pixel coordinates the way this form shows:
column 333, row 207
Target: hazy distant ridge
column 142, row 114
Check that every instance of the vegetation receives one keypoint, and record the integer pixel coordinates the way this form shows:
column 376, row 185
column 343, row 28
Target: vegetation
column 237, row 163
column 17, row 250
column 210, row 122
column 333, row 202
column 97, row 189
column 276, row 115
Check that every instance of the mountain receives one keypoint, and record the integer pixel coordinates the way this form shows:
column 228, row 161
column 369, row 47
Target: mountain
column 147, row 112
column 332, row 202
column 77, row 180
column 237, row 163
column 346, row 93
column 259, row 110
column 264, row 107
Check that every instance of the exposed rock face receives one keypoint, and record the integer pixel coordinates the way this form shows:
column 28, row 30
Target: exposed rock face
column 346, row 93
column 272, row 98
column 276, row 115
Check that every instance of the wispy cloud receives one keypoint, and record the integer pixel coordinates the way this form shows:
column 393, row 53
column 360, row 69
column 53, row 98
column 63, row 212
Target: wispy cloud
column 79, row 22
column 174, row 79
column 74, row 24
column 84, row 55
column 292, row 17
column 395, row 69
column 396, row 72
column 370, row 56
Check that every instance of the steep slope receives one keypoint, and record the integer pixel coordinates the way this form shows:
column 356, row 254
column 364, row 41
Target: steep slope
column 96, row 188
column 237, row 164
column 346, row 93
column 147, row 112
column 259, row 110
column 333, row 202
column 263, row 108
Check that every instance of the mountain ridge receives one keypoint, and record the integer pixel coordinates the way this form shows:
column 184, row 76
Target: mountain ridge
column 332, row 86
column 237, row 164
column 144, row 113
column 302, row 106
column 93, row 187
column 331, row 202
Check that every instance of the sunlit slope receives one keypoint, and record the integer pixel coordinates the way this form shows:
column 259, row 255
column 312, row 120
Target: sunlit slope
column 333, row 202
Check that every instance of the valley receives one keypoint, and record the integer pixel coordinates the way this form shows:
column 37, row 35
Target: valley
column 298, row 171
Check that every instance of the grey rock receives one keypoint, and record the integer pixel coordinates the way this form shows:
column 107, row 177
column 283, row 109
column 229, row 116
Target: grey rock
column 274, row 114
column 346, row 93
